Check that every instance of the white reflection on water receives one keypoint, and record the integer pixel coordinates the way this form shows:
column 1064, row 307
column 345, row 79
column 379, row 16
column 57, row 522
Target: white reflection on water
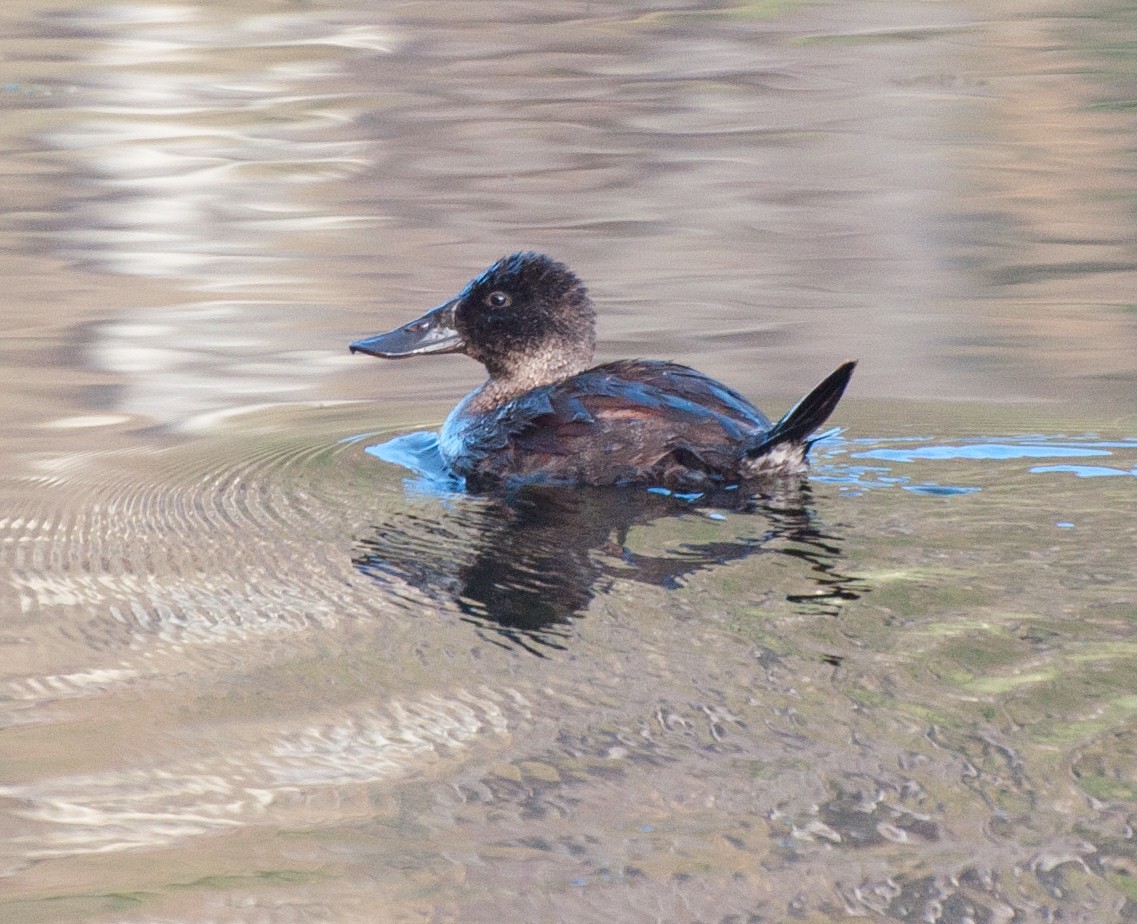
column 201, row 137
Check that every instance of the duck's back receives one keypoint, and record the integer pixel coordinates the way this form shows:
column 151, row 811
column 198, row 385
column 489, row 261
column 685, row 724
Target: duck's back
column 621, row 422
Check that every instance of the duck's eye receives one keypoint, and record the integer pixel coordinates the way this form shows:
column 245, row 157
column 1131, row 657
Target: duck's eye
column 498, row 300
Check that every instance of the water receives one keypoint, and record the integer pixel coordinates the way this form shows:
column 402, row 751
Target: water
column 261, row 661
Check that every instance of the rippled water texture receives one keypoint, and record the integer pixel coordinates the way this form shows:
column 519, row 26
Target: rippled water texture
column 262, row 661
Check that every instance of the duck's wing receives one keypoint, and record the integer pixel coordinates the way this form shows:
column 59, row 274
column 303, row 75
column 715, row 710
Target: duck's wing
column 689, row 384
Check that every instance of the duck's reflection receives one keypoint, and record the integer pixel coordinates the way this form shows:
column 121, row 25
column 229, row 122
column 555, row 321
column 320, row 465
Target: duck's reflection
column 521, row 567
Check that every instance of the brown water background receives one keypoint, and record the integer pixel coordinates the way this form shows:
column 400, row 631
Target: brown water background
column 249, row 672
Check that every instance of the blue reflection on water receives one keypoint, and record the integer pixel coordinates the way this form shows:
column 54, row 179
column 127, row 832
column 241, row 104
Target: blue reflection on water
column 1083, row 471
column 939, row 490
column 419, row 452
column 855, row 479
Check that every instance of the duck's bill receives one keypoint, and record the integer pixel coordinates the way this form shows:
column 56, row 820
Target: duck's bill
column 434, row 332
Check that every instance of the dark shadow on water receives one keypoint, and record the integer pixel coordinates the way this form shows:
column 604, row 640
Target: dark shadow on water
column 522, row 567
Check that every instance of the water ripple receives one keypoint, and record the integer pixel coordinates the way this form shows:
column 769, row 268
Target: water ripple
column 226, row 789
column 154, row 555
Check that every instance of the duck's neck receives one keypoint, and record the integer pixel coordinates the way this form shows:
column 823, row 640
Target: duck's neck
column 534, row 371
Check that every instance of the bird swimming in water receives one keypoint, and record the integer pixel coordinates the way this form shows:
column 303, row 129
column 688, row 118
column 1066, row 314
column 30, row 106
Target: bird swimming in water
column 544, row 417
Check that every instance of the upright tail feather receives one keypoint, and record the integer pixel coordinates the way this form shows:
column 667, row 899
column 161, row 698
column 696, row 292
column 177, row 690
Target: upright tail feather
column 808, row 414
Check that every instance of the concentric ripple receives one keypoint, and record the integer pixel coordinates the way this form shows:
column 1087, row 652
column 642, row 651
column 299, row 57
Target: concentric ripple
column 131, row 557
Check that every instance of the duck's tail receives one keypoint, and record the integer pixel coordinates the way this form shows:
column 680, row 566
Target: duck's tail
column 783, row 448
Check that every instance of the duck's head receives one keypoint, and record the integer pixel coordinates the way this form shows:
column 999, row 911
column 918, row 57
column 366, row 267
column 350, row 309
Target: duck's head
column 527, row 319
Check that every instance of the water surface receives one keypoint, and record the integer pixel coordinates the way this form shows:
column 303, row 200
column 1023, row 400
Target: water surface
column 263, row 661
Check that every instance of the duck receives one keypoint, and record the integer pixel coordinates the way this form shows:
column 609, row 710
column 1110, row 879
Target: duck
column 547, row 416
